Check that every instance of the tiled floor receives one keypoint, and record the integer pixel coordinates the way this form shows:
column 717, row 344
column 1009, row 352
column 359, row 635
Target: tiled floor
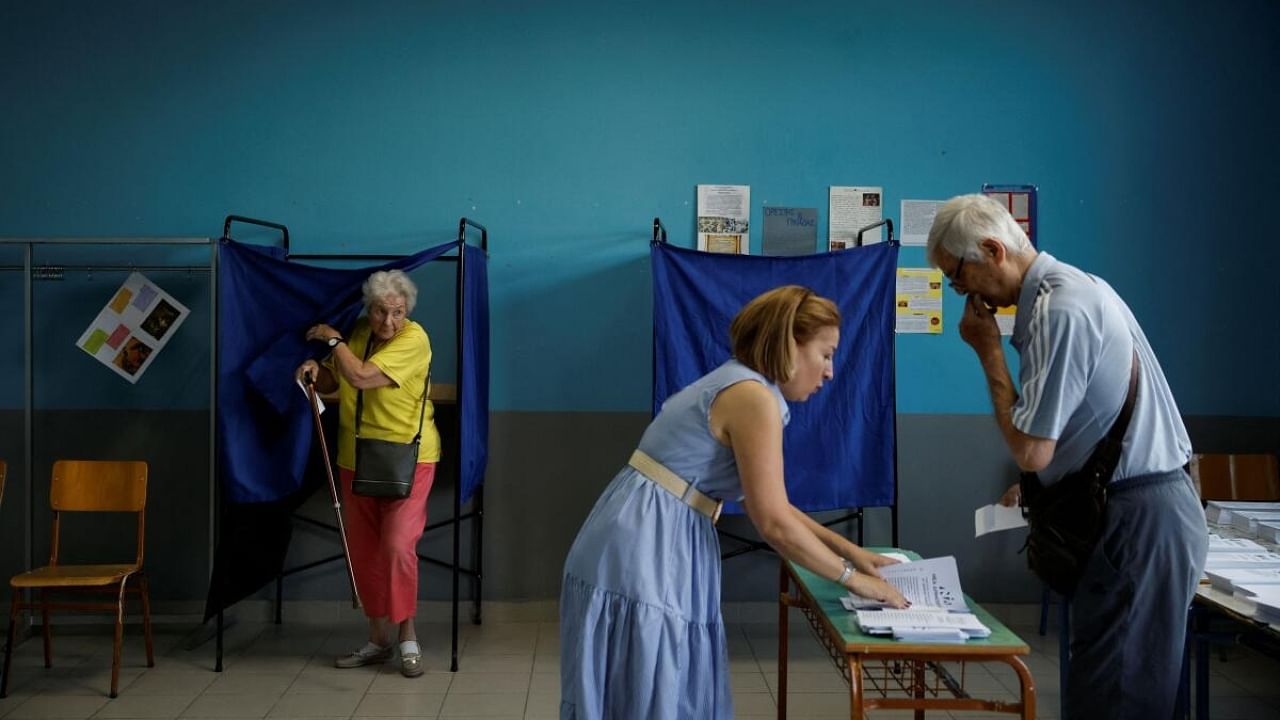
column 507, row 670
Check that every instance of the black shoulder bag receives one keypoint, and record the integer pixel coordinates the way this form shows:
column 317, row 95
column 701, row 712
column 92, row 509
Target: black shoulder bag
column 384, row 468
column 1067, row 518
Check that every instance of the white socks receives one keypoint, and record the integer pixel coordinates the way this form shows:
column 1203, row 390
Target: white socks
column 409, row 647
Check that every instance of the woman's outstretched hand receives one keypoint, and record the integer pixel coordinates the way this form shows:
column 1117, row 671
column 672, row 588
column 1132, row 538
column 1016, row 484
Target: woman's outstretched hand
column 877, row 589
column 869, row 563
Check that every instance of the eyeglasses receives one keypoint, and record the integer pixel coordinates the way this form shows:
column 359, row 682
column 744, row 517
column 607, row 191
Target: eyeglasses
column 955, row 274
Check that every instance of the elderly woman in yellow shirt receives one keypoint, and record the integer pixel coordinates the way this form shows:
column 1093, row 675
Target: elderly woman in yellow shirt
column 387, row 359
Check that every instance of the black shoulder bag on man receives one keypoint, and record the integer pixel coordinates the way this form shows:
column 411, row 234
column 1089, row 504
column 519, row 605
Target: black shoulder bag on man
column 1067, row 517
column 385, row 468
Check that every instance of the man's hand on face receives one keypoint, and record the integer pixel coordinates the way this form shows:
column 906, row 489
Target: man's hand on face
column 978, row 325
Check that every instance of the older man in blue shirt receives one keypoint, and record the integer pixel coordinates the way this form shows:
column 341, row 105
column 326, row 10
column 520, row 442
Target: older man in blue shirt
column 1077, row 341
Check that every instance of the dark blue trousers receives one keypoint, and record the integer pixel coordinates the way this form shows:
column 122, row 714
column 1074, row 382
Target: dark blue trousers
column 1129, row 612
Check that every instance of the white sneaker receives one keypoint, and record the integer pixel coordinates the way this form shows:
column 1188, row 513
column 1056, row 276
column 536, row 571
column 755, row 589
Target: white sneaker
column 370, row 654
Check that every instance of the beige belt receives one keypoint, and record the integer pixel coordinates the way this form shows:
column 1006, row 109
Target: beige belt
column 672, row 483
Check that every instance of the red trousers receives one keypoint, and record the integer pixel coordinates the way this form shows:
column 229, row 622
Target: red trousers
column 383, row 538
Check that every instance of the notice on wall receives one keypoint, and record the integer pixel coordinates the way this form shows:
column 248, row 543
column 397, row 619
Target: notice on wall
column 790, row 231
column 724, row 213
column 1020, row 201
column 136, row 324
column 919, row 301
column 917, row 217
column 850, row 210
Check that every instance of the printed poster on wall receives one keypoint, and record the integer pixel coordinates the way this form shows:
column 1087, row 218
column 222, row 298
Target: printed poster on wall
column 134, row 327
column 917, row 219
column 919, row 301
column 724, row 212
column 790, row 231
column 849, row 210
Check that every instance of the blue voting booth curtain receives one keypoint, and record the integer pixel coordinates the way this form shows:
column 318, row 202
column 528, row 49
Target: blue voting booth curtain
column 265, row 305
column 473, row 386
column 839, row 446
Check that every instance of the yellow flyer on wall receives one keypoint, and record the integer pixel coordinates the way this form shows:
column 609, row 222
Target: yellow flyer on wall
column 919, row 301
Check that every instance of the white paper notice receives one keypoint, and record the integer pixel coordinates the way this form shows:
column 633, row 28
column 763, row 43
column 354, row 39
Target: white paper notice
column 724, row 212
column 134, row 327
column 994, row 518
column 850, row 210
column 917, row 218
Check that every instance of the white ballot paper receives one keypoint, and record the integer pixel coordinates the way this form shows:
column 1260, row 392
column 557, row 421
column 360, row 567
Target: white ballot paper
column 319, row 402
column 994, row 518
column 932, row 584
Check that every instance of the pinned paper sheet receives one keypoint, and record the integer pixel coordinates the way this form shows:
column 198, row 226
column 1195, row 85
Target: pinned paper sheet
column 994, row 518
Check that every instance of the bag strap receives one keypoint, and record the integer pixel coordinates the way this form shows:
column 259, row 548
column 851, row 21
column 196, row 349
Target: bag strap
column 1106, row 456
column 426, row 389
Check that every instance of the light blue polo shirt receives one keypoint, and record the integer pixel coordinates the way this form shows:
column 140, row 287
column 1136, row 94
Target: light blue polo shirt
column 1076, row 338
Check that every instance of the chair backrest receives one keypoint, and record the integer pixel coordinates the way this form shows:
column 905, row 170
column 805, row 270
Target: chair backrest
column 99, row 485
column 1238, row 477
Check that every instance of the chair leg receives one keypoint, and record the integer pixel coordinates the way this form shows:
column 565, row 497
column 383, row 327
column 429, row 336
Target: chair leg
column 115, row 650
column 146, row 618
column 8, row 646
column 45, row 630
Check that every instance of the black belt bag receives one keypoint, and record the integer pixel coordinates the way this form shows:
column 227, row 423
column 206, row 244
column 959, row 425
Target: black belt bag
column 385, row 468
column 1067, row 518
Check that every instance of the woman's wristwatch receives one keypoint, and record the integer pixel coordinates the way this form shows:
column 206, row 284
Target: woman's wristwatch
column 333, row 341
column 848, row 570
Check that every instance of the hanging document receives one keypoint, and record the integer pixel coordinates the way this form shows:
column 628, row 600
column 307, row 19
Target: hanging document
column 724, row 213
column 850, row 210
column 917, row 218
column 135, row 325
column 919, row 301
column 790, row 231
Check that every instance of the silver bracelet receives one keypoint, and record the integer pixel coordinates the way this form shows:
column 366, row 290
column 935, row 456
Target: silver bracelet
column 848, row 570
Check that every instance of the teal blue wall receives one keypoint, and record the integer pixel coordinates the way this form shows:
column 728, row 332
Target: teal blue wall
column 565, row 127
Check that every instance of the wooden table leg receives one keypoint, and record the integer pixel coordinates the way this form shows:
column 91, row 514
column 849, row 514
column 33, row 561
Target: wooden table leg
column 854, row 663
column 1028, row 687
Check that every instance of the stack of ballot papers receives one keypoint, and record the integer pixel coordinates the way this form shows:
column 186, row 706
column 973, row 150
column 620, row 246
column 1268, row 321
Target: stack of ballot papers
column 1262, row 600
column 1269, row 531
column 1246, row 521
column 931, row 626
column 1220, row 512
column 1217, row 543
column 1228, row 580
column 938, row 612
column 1237, row 560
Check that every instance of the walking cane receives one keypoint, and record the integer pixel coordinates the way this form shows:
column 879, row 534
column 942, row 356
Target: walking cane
column 333, row 488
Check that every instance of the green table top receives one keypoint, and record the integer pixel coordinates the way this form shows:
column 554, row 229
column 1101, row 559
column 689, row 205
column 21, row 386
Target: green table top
column 827, row 596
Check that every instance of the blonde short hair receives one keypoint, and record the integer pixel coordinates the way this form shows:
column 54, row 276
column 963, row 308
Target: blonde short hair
column 767, row 328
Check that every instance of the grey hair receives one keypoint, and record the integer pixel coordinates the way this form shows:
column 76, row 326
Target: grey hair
column 386, row 283
column 965, row 221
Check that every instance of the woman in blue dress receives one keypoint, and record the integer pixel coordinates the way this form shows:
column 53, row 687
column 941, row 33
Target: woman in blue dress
column 640, row 628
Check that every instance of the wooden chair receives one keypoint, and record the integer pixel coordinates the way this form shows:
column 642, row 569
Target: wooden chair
column 1237, row 477
column 88, row 486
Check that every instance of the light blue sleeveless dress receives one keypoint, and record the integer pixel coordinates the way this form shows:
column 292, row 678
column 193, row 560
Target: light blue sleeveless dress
column 640, row 628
